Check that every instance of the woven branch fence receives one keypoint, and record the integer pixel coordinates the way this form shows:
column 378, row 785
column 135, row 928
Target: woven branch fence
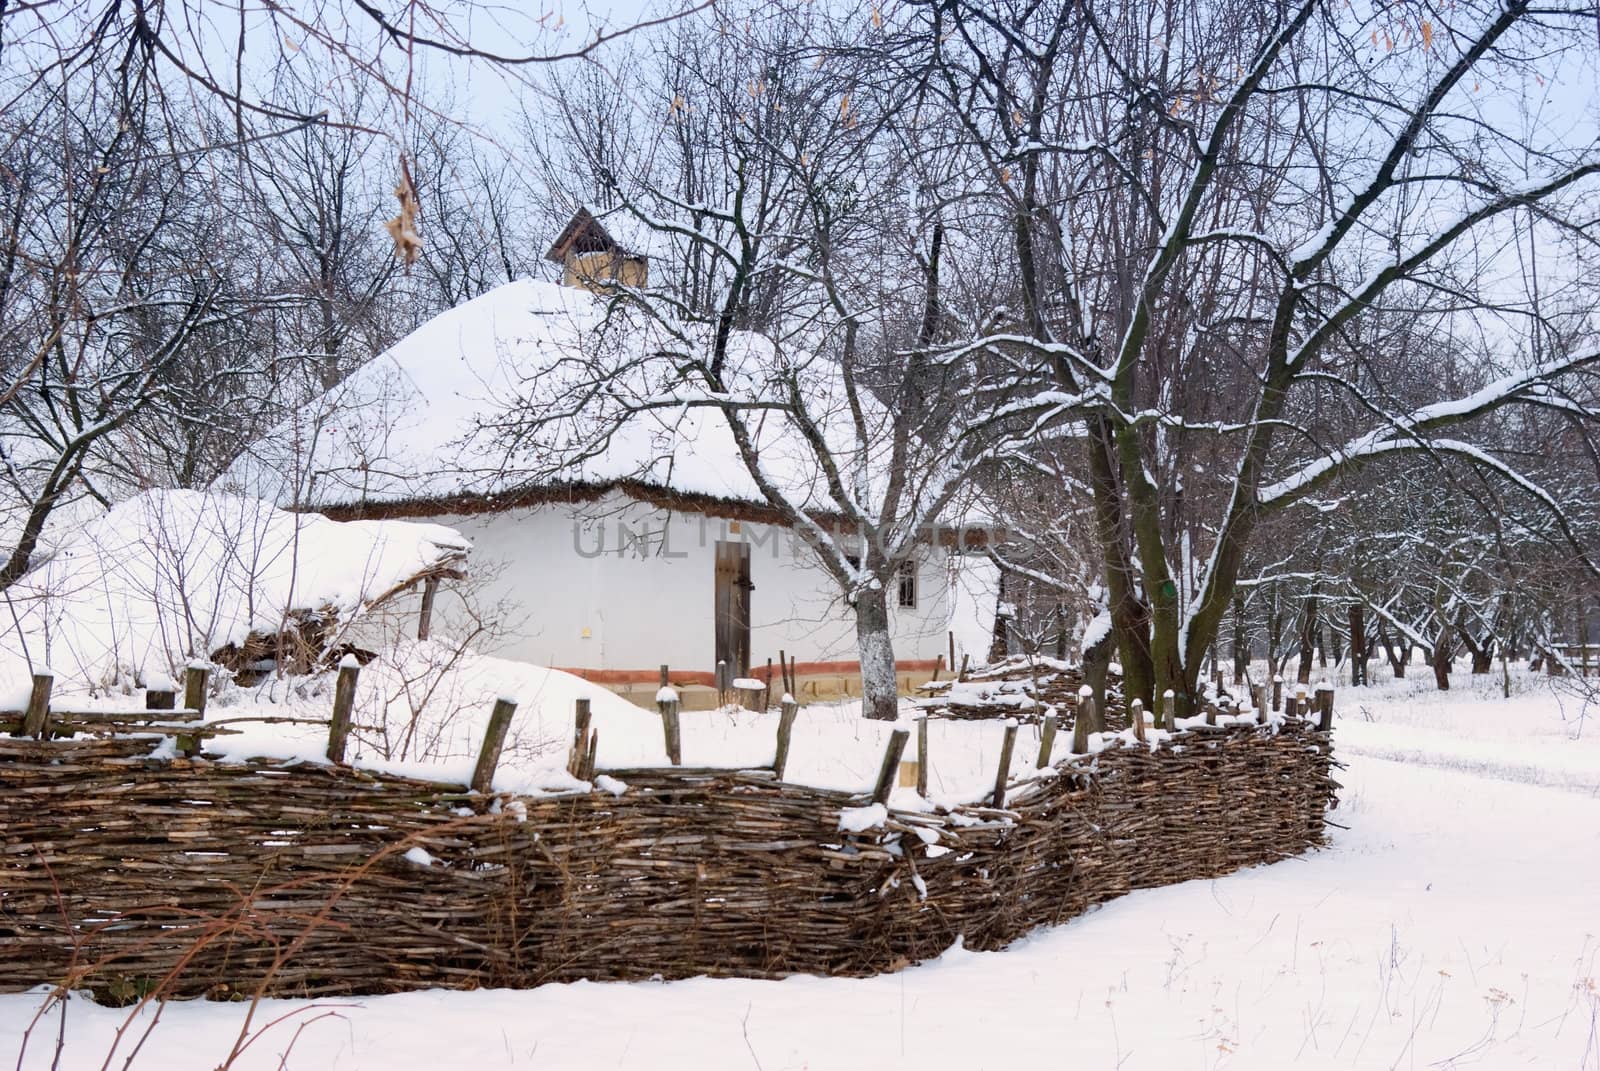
column 130, row 875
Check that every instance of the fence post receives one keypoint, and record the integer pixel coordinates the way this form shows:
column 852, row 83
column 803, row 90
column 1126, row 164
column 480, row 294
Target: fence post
column 36, row 718
column 1263, row 711
column 963, row 674
column 344, row 700
column 580, row 738
column 667, row 704
column 1136, row 715
column 1277, row 692
column 589, row 754
column 160, row 695
column 1302, row 705
column 785, row 729
column 1047, row 741
column 1081, row 721
column 922, row 755
column 891, row 764
column 195, row 679
column 1169, row 703
column 1325, row 706
column 494, row 741
column 1004, row 773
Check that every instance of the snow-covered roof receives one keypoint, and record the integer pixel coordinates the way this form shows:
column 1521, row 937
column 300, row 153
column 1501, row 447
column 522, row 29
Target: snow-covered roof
column 170, row 575
column 419, row 424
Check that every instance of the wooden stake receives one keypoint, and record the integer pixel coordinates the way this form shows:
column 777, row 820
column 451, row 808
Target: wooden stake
column 494, row 741
column 589, row 754
column 195, row 679
column 665, row 683
column 669, row 728
column 952, row 636
column 160, row 699
column 1263, row 710
column 344, row 701
column 36, row 719
column 1169, row 700
column 1004, row 773
column 1325, row 708
column 580, row 738
column 785, row 729
column 1136, row 714
column 1277, row 693
column 1082, row 721
column 783, row 671
column 891, row 764
column 963, row 674
column 766, row 697
column 938, row 664
column 1047, row 741
column 922, row 755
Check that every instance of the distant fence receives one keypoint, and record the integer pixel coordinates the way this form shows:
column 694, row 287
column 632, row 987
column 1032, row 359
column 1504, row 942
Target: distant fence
column 135, row 876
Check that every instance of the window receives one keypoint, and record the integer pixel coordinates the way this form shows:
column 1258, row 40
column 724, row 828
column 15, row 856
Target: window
column 908, row 584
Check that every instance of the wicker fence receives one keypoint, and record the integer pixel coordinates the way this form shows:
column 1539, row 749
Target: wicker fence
column 131, row 875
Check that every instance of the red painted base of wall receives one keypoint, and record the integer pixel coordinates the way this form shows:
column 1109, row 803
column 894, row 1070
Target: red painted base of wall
column 709, row 679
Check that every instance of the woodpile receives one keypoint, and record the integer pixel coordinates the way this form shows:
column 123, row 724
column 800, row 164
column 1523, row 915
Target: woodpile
column 131, row 876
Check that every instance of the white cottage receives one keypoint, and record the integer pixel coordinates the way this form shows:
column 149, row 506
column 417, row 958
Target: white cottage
column 660, row 550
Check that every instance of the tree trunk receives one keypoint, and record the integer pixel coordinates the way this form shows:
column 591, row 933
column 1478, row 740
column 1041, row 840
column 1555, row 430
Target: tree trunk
column 880, row 689
column 1308, row 639
column 1358, row 645
column 1443, row 649
column 1241, row 642
column 1130, row 617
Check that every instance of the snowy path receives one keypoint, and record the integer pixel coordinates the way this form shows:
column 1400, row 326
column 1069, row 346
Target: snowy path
column 1456, row 924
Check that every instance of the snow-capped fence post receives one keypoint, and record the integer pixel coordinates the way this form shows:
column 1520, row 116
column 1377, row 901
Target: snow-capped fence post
column 37, row 717
column 1047, row 741
column 1325, row 706
column 1083, row 721
column 1263, row 711
column 891, row 763
column 430, row 588
column 667, row 704
column 1302, row 704
column 494, row 741
column 160, row 695
column 722, row 682
column 195, row 680
column 581, row 715
column 1277, row 692
column 1169, row 704
column 1136, row 716
column 344, row 701
column 780, row 760
column 922, row 755
column 1003, row 774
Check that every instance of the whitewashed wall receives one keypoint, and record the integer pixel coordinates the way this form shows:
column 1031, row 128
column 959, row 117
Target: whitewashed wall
column 619, row 584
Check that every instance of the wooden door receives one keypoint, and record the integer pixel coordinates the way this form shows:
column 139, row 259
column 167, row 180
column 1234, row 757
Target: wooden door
column 732, row 607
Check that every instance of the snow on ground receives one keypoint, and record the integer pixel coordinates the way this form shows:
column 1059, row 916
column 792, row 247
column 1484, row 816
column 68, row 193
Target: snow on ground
column 1455, row 924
